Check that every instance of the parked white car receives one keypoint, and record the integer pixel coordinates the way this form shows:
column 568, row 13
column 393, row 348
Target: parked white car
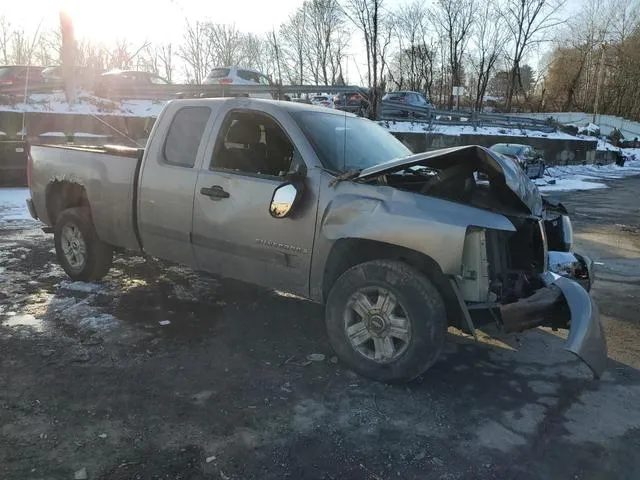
column 239, row 76
column 323, row 100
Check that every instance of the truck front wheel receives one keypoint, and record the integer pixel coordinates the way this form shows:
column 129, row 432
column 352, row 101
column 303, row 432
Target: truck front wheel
column 83, row 256
column 386, row 321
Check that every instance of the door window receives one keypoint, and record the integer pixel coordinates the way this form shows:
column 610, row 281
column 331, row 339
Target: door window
column 184, row 136
column 264, row 80
column 253, row 143
column 249, row 76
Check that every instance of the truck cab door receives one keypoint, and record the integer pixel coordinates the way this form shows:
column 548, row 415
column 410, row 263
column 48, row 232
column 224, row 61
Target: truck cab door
column 167, row 181
column 234, row 232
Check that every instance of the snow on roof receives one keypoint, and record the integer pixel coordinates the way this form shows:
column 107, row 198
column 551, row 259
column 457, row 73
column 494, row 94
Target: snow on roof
column 53, row 134
column 590, row 128
column 89, row 135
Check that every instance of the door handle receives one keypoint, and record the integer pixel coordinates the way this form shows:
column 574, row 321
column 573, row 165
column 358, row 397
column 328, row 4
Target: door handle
column 214, row 192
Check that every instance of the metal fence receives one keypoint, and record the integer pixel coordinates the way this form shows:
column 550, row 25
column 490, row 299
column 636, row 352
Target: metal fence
column 397, row 111
column 168, row 92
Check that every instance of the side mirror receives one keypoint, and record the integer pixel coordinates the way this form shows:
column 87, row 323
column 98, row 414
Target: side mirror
column 284, row 199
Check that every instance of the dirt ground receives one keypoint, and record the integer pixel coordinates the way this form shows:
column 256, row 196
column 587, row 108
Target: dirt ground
column 93, row 380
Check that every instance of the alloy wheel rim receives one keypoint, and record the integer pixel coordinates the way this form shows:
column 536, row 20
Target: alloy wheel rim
column 73, row 246
column 376, row 324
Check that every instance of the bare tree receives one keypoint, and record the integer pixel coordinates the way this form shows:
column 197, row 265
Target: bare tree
column 488, row 45
column 369, row 17
column 165, row 54
column 455, row 20
column 196, row 51
column 414, row 64
column 274, row 44
column 149, row 61
column 91, row 55
column 325, row 20
column 6, row 31
column 123, row 54
column 294, row 34
column 20, row 47
column 527, row 21
column 49, row 48
column 226, row 44
column 259, row 53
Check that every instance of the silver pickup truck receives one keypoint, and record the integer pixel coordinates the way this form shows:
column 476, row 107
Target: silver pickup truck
column 331, row 207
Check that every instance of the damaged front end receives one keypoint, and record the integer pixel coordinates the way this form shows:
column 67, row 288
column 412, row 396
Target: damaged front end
column 515, row 282
column 524, row 278
column 562, row 303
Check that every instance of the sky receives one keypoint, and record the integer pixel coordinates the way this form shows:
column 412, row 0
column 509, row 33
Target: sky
column 163, row 20
column 155, row 20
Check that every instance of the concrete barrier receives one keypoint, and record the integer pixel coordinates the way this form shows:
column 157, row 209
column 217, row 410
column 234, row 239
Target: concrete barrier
column 127, row 130
column 555, row 151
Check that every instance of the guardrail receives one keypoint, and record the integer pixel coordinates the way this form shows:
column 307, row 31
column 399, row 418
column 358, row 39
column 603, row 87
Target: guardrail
column 167, row 92
column 397, row 111
column 389, row 110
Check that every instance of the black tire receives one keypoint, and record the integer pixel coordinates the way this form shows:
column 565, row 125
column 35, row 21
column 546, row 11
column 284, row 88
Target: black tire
column 417, row 296
column 99, row 255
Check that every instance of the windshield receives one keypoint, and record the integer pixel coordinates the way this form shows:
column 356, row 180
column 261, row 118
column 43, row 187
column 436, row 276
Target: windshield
column 507, row 149
column 346, row 143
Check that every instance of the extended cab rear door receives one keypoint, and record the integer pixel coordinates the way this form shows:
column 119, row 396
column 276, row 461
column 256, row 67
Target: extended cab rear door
column 168, row 178
column 255, row 145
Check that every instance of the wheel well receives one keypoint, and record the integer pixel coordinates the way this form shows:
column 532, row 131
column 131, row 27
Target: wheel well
column 349, row 252
column 63, row 195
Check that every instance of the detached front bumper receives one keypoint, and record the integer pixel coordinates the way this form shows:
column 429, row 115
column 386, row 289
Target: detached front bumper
column 563, row 303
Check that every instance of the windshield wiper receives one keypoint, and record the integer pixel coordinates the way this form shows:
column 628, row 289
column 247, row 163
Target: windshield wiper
column 348, row 175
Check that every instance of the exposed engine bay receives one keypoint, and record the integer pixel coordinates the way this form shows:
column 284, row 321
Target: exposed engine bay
column 498, row 267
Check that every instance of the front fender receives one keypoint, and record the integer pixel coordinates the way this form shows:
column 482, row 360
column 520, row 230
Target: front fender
column 431, row 226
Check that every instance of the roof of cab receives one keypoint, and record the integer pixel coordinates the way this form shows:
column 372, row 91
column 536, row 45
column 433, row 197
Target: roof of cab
column 285, row 105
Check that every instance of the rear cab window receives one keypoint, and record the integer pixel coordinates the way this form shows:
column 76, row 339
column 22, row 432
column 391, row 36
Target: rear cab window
column 219, row 73
column 184, row 136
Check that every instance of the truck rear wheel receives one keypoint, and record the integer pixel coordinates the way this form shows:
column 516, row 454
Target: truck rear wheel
column 83, row 256
column 386, row 321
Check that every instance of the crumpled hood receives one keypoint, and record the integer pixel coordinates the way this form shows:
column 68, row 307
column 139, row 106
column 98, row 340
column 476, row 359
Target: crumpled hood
column 502, row 171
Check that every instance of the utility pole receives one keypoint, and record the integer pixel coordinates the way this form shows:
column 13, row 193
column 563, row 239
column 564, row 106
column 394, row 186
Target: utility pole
column 598, row 84
column 68, row 57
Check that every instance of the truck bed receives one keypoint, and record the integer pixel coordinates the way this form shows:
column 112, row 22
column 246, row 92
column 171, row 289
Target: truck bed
column 108, row 175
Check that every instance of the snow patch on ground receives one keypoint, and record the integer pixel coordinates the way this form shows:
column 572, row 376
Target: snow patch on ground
column 84, row 287
column 86, row 104
column 13, row 206
column 100, row 322
column 586, row 177
column 604, row 146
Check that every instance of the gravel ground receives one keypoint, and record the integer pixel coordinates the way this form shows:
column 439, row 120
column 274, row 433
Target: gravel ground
column 162, row 373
